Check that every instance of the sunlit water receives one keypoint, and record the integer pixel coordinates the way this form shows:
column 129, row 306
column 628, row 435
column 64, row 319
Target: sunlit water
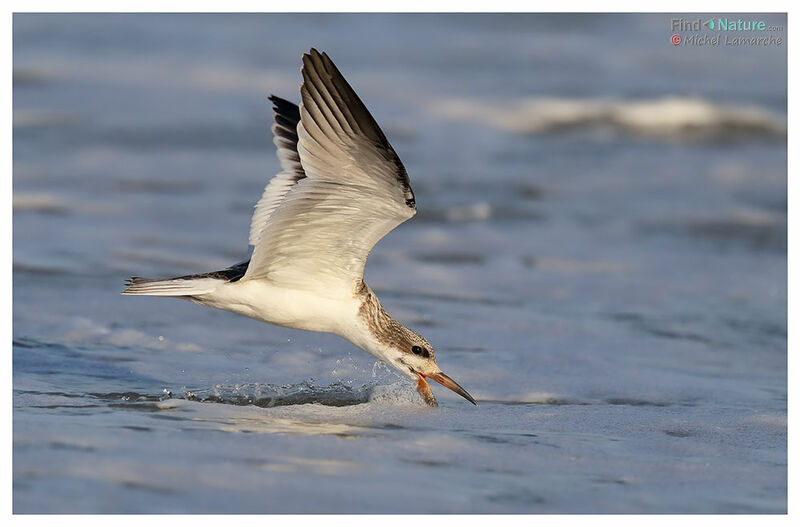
column 599, row 258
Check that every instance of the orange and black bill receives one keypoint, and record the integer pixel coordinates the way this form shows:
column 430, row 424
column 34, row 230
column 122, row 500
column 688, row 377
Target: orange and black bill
column 447, row 382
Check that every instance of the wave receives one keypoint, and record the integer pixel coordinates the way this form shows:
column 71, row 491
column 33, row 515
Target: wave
column 667, row 118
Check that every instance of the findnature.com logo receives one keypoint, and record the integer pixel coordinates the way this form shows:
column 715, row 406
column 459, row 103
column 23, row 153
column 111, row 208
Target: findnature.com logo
column 725, row 32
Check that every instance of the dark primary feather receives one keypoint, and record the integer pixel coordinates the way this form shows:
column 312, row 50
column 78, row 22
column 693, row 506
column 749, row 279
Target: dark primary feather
column 340, row 114
column 284, row 129
column 287, row 116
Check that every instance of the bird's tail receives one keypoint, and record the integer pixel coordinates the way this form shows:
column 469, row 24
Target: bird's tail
column 184, row 286
column 189, row 285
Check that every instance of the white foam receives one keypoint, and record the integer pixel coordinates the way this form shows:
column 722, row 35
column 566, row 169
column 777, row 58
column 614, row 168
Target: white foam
column 667, row 117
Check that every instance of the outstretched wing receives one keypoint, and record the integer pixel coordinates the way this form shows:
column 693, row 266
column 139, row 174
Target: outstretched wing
column 284, row 131
column 355, row 191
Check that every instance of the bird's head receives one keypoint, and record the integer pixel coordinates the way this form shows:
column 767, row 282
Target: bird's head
column 412, row 354
column 404, row 349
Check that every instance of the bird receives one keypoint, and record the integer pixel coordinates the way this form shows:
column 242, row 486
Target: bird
column 341, row 188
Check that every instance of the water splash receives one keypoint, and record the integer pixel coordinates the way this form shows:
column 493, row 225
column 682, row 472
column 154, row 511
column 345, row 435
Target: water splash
column 271, row 395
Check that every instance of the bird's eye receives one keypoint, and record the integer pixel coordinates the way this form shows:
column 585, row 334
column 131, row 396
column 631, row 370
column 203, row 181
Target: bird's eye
column 417, row 350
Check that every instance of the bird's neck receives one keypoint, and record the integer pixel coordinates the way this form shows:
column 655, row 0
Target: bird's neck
column 372, row 314
column 379, row 333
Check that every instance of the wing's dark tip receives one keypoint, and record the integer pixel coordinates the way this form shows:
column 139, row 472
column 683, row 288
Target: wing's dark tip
column 287, row 113
column 283, row 106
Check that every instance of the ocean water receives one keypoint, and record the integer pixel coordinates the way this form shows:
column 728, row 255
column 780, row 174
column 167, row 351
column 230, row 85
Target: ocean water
column 599, row 258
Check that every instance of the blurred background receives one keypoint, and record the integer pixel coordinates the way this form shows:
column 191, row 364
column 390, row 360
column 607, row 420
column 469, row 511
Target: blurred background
column 599, row 257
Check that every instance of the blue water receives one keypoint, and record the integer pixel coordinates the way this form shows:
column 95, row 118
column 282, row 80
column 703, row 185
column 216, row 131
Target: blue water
column 609, row 282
